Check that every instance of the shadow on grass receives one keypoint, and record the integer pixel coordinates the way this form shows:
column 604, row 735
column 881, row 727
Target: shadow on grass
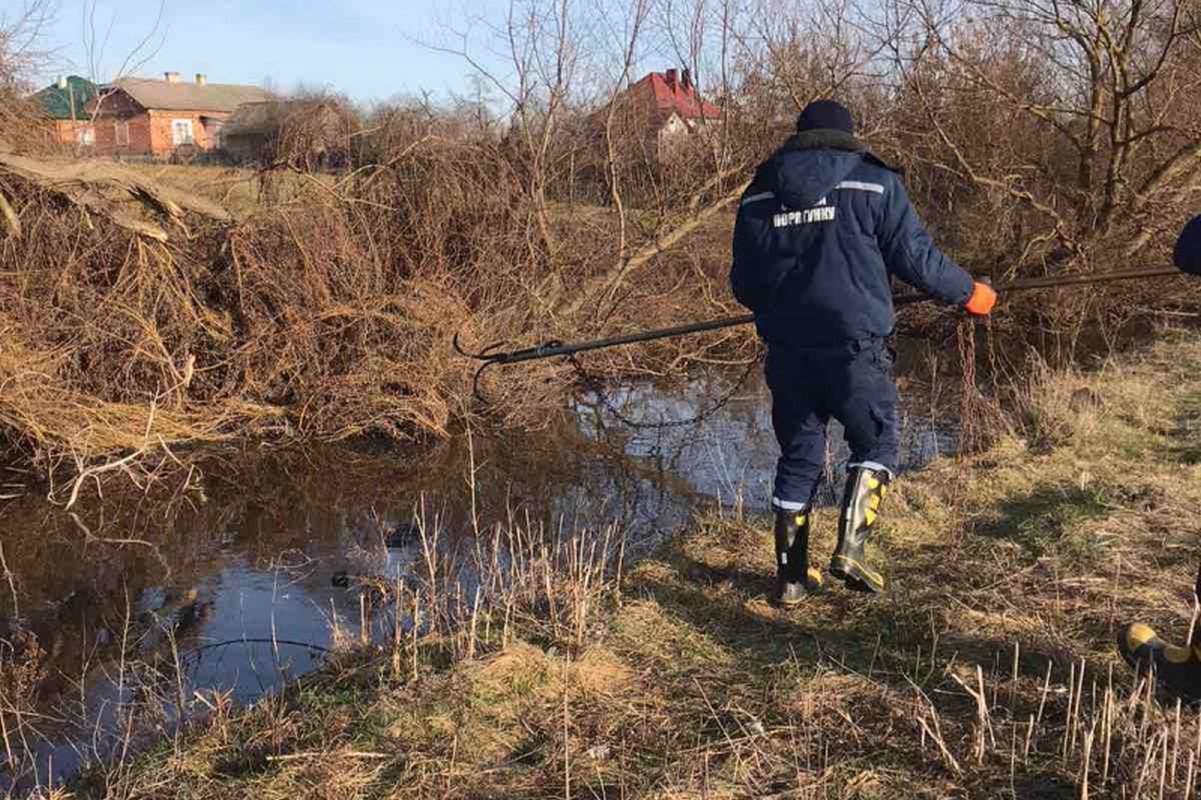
column 875, row 641
column 715, row 594
column 1039, row 519
column 864, row 633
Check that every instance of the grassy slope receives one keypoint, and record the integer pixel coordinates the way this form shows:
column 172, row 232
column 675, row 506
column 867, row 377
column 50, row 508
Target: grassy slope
column 693, row 686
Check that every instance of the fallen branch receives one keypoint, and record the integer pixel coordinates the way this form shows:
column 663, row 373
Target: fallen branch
column 118, row 193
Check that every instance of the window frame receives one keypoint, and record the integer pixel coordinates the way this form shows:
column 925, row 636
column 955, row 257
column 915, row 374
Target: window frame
column 176, row 125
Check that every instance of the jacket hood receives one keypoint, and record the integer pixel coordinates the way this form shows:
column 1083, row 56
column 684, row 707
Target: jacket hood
column 811, row 164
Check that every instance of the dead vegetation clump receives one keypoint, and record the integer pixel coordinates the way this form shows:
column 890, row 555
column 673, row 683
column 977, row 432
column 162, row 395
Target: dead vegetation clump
column 22, row 122
column 309, row 132
column 104, row 324
column 120, row 336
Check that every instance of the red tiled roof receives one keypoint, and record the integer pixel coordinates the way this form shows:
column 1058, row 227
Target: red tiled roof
column 672, row 96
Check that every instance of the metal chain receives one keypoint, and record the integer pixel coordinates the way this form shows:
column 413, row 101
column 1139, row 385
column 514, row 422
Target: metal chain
column 595, row 385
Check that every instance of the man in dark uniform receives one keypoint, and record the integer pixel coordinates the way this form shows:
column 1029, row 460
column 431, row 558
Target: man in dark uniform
column 821, row 231
column 1177, row 668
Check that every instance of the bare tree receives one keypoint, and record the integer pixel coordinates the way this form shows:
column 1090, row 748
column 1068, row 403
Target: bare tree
column 22, row 42
column 96, row 44
column 639, row 11
column 1083, row 114
column 22, row 54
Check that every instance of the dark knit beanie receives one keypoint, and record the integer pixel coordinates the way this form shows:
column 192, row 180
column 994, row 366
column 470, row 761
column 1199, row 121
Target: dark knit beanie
column 825, row 115
column 1188, row 248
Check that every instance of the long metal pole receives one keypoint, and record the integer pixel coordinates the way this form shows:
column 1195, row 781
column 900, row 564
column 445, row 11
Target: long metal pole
column 1055, row 281
column 553, row 349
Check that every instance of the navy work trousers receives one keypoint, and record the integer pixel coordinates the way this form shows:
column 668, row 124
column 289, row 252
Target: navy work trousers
column 853, row 384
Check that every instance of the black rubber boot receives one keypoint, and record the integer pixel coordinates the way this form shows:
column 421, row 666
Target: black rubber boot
column 1177, row 669
column 860, row 506
column 795, row 579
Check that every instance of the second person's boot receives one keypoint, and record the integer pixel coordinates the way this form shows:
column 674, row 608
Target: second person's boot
column 795, row 578
column 1177, row 669
column 865, row 491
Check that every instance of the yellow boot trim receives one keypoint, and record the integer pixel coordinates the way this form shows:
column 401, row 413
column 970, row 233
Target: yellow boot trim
column 873, row 483
column 815, row 577
column 870, row 574
column 870, row 516
column 1138, row 635
column 1179, row 655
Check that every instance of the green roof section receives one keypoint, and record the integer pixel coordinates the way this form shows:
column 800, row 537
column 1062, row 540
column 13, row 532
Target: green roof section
column 57, row 101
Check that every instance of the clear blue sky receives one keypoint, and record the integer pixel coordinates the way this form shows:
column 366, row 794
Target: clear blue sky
column 368, row 49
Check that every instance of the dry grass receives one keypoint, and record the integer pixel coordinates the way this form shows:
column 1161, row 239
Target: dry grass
column 241, row 190
column 989, row 669
column 237, row 189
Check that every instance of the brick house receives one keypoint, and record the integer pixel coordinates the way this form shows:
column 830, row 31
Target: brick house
column 654, row 133
column 158, row 118
column 65, row 105
column 666, row 106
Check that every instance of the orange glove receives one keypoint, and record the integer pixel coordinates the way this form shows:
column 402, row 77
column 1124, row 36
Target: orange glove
column 984, row 297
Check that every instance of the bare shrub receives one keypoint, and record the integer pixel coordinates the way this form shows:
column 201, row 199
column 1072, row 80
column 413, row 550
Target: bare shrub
column 307, row 132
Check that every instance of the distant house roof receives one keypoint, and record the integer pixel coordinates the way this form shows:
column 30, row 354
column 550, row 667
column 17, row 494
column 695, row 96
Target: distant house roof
column 672, row 92
column 266, row 117
column 252, row 119
column 188, row 96
column 56, row 100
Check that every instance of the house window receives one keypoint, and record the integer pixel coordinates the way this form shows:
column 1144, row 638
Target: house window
column 121, row 134
column 181, row 132
column 85, row 135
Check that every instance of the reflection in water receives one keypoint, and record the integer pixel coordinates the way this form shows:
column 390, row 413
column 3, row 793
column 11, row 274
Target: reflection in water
column 238, row 582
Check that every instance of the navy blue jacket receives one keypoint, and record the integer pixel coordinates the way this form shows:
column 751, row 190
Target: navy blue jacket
column 822, row 228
